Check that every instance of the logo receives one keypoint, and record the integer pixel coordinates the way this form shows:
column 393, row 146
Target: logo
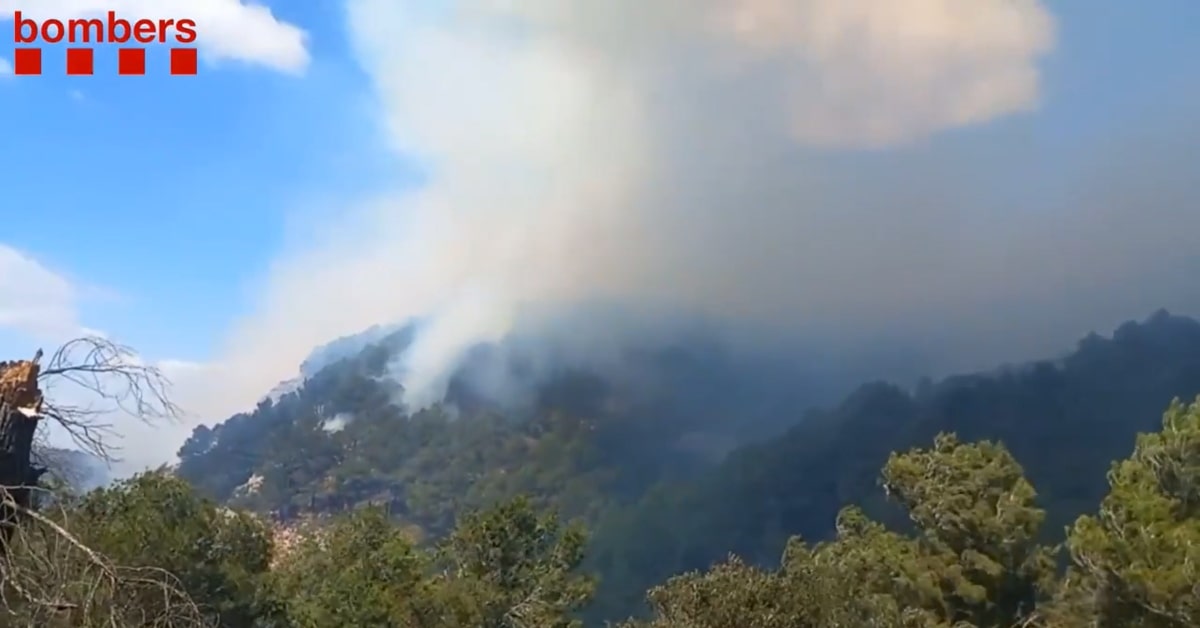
column 131, row 59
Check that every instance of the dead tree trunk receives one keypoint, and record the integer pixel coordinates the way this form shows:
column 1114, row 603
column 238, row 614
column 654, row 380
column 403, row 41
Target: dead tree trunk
column 20, row 411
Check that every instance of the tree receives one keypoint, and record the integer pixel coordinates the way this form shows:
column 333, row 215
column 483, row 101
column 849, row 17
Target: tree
column 1136, row 564
column 974, row 560
column 52, row 579
column 20, row 411
column 363, row 570
column 115, row 380
column 104, row 379
column 730, row 595
column 504, row 567
column 48, row 576
column 872, row 577
column 217, row 556
column 516, row 568
column 976, row 515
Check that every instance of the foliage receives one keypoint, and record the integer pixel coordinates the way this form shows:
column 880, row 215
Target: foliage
column 957, row 537
column 516, row 568
column 48, row 575
column 362, row 571
column 50, row 578
column 976, row 517
column 1065, row 420
column 582, row 442
column 218, row 555
column 508, row 567
column 1137, row 562
column 973, row 560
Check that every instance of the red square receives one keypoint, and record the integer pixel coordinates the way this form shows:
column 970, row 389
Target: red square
column 79, row 61
column 27, row 61
column 183, row 61
column 131, row 61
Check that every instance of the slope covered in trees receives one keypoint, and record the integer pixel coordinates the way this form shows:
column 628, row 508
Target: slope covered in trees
column 584, row 438
column 673, row 476
column 1065, row 420
column 972, row 556
column 999, row 505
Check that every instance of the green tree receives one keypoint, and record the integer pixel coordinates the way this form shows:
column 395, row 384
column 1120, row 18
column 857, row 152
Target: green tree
column 516, row 568
column 219, row 556
column 1136, row 564
column 871, row 577
column 505, row 567
column 364, row 570
column 976, row 516
column 974, row 560
column 730, row 595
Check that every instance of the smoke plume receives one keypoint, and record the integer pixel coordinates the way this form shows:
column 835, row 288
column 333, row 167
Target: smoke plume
column 810, row 167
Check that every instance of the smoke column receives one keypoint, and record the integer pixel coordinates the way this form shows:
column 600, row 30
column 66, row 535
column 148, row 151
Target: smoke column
column 844, row 169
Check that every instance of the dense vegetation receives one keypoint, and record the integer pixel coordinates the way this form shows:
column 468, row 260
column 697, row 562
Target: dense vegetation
column 674, row 476
column 685, row 470
column 972, row 557
column 1066, row 421
column 585, row 441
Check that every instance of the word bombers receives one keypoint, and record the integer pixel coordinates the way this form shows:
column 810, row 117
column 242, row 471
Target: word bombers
column 114, row 30
column 28, row 33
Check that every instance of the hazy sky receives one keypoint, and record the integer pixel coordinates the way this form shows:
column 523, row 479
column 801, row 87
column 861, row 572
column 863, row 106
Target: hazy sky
column 985, row 180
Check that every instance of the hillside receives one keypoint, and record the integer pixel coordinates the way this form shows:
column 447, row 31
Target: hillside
column 717, row 455
column 580, row 439
column 1065, row 421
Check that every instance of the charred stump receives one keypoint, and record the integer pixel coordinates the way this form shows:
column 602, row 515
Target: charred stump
column 20, row 412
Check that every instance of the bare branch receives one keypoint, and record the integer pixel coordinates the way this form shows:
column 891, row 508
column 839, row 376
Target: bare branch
column 53, row 579
column 109, row 379
column 48, row 577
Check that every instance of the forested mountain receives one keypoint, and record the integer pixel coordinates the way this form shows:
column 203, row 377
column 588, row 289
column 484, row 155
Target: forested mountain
column 1064, row 420
column 584, row 438
column 698, row 455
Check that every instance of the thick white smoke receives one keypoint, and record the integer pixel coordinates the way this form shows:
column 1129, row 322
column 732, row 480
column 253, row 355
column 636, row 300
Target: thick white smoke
column 791, row 164
column 642, row 152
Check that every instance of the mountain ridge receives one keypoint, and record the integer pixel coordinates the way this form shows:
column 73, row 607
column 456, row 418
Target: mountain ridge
column 689, row 453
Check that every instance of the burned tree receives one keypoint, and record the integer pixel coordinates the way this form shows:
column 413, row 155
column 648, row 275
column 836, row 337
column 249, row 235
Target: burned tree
column 20, row 411
column 48, row 577
column 107, row 379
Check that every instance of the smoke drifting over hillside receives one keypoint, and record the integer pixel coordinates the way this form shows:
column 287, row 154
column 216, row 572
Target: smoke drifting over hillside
column 799, row 166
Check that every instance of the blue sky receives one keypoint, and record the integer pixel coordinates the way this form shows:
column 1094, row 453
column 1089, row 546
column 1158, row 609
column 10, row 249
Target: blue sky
column 263, row 203
column 164, row 195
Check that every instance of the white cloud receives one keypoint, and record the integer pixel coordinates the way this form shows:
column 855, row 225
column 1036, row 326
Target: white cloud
column 876, row 73
column 39, row 308
column 227, row 29
column 847, row 72
column 34, row 299
column 173, row 368
column 6, row 67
